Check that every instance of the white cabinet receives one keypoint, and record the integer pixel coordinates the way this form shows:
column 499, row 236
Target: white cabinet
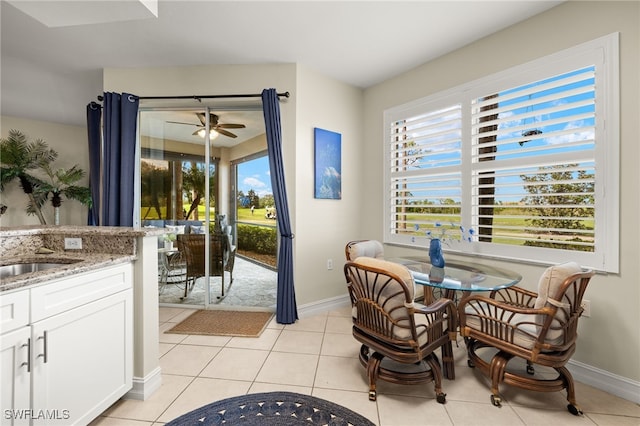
column 16, row 381
column 80, row 353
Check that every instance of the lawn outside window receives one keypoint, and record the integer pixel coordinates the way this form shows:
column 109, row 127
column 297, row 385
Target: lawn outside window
column 528, row 158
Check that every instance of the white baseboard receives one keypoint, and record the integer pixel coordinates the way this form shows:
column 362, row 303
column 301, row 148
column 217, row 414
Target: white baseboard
column 144, row 387
column 605, row 381
column 583, row 373
column 322, row 306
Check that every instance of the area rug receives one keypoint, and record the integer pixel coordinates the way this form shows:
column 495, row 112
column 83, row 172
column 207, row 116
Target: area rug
column 272, row 408
column 223, row 323
column 253, row 286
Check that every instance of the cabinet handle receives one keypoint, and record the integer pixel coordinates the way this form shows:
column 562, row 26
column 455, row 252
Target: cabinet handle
column 44, row 354
column 28, row 361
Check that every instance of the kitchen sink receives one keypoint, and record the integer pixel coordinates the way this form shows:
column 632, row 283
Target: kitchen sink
column 12, row 270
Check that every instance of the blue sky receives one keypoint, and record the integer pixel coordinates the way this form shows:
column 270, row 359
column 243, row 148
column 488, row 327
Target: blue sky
column 255, row 175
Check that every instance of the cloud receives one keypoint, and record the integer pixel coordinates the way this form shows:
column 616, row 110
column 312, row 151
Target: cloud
column 254, row 183
column 259, row 187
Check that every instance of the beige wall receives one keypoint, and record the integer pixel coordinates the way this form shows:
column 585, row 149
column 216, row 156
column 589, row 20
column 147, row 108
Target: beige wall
column 324, row 226
column 71, row 144
column 609, row 339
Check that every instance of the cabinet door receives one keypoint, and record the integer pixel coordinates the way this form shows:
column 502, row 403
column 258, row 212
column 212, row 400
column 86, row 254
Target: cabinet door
column 82, row 360
column 15, row 384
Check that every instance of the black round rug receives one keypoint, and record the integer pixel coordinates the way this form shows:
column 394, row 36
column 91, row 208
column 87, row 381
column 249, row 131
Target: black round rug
column 272, row 408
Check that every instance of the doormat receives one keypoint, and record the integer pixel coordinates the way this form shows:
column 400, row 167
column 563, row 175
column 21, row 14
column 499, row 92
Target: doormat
column 223, row 323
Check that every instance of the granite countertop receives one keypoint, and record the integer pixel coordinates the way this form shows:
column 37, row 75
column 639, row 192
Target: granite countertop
column 6, row 231
column 102, row 246
column 82, row 263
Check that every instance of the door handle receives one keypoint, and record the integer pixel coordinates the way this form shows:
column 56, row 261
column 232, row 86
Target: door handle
column 28, row 361
column 44, row 353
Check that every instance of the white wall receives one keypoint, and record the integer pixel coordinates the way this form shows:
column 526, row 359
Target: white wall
column 609, row 339
column 324, row 226
column 71, row 144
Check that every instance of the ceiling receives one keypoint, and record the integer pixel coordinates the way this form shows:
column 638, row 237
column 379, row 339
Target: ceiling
column 51, row 72
column 162, row 124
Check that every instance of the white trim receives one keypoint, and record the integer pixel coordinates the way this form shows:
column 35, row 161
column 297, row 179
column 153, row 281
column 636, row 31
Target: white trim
column 605, row 381
column 324, row 305
column 144, row 387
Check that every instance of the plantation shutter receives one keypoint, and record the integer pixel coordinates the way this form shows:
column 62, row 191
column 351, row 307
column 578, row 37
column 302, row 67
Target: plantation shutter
column 425, row 168
column 533, row 163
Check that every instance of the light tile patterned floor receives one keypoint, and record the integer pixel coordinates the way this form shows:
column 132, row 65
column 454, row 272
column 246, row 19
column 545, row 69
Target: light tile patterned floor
column 318, row 356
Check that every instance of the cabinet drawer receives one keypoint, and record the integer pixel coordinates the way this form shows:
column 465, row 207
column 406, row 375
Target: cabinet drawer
column 68, row 293
column 14, row 310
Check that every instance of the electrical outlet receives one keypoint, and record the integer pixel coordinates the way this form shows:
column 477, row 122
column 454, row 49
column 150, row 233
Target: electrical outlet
column 73, row 243
column 586, row 305
column 329, row 264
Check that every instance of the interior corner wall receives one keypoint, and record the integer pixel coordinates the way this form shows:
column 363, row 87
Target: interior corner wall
column 71, row 144
column 609, row 339
column 325, row 225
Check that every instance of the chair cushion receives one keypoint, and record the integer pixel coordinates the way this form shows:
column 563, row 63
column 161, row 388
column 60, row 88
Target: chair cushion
column 196, row 229
column 395, row 268
column 548, row 287
column 370, row 248
column 551, row 281
column 177, row 229
column 526, row 330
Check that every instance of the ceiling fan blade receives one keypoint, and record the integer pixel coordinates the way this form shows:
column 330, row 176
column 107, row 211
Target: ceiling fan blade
column 224, row 132
column 201, row 117
column 230, row 126
column 179, row 122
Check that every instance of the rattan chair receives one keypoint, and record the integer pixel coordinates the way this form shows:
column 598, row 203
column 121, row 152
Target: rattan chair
column 221, row 258
column 540, row 328
column 390, row 325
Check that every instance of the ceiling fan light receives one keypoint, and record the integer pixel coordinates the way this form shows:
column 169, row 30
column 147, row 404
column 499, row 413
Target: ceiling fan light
column 212, row 134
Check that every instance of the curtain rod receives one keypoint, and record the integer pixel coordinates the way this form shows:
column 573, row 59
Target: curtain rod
column 200, row 97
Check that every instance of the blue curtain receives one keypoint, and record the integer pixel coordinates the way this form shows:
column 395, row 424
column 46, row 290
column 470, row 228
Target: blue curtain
column 94, row 114
column 286, row 309
column 119, row 126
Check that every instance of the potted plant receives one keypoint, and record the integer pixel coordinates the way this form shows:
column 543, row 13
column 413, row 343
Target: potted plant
column 61, row 182
column 168, row 241
column 18, row 158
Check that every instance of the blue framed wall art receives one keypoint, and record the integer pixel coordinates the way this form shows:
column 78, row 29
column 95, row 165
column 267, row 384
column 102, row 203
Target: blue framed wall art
column 328, row 164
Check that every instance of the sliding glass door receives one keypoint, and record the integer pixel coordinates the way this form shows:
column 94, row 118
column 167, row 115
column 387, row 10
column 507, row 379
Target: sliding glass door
column 192, row 178
column 178, row 192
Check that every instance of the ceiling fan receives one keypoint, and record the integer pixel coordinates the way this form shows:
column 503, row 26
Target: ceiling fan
column 213, row 125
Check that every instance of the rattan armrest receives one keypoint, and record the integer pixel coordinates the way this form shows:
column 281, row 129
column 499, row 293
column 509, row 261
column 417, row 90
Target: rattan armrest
column 444, row 305
column 502, row 306
column 516, row 296
column 436, row 306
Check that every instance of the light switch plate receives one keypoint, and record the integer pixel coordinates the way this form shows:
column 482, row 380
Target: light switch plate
column 73, row 243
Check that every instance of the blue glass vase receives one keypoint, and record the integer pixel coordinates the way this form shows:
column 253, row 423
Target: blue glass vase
column 435, row 253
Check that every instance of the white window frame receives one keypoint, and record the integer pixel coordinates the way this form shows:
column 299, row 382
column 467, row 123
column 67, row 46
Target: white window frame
column 603, row 53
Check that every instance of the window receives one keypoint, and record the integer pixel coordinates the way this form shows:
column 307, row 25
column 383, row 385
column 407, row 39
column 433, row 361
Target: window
column 521, row 165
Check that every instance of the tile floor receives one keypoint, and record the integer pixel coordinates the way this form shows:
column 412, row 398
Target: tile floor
column 318, row 356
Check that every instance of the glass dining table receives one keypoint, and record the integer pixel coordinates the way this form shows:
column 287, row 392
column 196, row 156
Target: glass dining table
column 456, row 276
